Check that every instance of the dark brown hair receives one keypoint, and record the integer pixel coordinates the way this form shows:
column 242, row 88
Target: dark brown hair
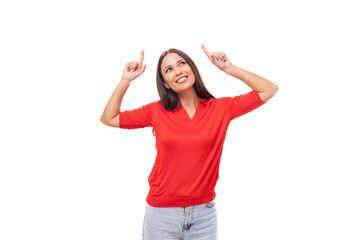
column 168, row 98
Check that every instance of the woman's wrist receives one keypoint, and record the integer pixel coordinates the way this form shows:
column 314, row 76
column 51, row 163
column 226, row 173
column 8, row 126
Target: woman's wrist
column 125, row 81
column 231, row 70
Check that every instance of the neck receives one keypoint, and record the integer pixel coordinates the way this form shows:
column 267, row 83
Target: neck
column 189, row 99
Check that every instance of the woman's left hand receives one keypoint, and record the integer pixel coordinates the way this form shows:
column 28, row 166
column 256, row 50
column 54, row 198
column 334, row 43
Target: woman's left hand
column 219, row 59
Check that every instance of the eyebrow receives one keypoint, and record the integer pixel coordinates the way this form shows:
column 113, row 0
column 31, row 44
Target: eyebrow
column 171, row 65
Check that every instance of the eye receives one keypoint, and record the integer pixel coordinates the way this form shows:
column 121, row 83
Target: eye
column 182, row 63
column 167, row 70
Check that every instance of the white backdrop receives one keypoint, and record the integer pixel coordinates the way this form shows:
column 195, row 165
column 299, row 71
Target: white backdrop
column 289, row 170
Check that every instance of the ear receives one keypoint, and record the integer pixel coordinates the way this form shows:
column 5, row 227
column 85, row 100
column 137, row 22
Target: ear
column 166, row 85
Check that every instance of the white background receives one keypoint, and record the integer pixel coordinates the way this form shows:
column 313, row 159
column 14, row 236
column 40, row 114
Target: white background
column 289, row 169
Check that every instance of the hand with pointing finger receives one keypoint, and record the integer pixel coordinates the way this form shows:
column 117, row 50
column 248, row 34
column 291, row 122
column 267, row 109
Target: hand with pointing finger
column 134, row 69
column 219, row 59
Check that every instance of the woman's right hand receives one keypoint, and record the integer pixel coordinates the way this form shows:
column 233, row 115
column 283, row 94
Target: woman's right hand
column 134, row 69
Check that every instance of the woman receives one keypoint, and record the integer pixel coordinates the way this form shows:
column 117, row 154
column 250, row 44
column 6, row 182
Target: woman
column 190, row 127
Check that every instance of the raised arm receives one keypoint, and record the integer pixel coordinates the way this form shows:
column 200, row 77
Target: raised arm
column 264, row 87
column 132, row 70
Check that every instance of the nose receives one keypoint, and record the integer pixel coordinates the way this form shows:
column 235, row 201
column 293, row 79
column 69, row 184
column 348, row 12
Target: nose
column 177, row 71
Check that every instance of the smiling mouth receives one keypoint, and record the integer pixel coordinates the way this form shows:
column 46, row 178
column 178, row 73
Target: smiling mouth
column 181, row 80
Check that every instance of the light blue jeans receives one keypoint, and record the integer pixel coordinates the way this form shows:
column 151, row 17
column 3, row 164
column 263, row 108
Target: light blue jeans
column 181, row 223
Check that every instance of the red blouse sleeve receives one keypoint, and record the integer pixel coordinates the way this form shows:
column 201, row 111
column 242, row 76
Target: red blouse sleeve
column 242, row 104
column 137, row 118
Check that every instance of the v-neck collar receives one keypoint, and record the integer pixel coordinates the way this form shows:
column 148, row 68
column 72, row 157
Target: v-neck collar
column 202, row 101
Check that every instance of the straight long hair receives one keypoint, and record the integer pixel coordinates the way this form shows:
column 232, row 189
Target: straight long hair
column 168, row 98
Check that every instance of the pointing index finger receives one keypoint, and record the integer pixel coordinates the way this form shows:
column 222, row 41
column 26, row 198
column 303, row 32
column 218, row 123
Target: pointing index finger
column 206, row 52
column 141, row 58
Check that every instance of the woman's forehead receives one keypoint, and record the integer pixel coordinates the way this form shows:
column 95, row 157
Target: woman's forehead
column 171, row 59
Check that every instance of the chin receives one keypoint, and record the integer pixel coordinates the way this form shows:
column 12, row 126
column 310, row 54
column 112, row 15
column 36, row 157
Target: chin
column 184, row 89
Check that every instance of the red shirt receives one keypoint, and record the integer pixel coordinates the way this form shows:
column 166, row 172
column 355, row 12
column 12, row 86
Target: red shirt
column 186, row 167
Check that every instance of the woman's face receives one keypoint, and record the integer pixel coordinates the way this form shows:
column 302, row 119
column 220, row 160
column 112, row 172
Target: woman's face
column 177, row 73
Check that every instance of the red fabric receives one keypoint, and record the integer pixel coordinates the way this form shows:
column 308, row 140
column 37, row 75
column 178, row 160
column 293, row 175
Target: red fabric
column 186, row 167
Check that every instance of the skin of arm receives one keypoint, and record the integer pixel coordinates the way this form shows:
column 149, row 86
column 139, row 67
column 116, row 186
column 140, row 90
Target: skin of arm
column 264, row 87
column 110, row 116
column 132, row 70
